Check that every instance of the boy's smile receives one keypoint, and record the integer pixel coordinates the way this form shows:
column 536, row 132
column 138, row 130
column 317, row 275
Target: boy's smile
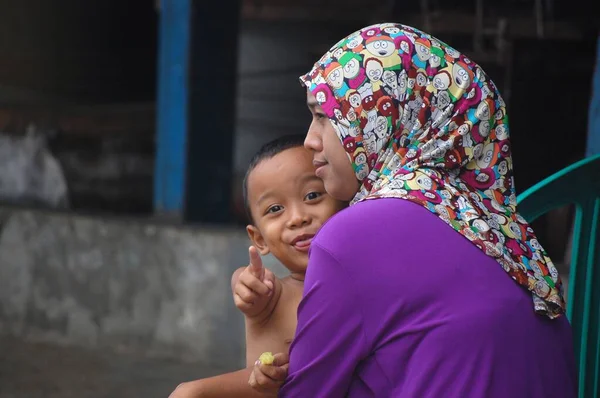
column 302, row 242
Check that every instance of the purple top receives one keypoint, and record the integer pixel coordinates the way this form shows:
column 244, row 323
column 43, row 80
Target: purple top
column 398, row 304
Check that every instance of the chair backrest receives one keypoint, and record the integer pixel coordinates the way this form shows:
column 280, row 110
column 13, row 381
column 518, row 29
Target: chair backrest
column 577, row 184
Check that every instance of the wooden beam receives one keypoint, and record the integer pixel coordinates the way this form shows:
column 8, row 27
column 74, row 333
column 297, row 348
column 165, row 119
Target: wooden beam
column 447, row 21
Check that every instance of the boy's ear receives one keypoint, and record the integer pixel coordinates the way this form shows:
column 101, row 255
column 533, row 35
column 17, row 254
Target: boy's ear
column 257, row 239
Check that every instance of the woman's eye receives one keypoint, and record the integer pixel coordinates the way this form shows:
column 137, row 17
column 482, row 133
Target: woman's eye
column 313, row 195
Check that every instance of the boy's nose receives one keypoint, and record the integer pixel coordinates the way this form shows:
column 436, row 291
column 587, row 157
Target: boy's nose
column 298, row 219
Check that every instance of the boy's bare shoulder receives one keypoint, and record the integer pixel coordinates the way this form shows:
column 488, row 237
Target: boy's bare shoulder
column 285, row 313
column 292, row 287
column 288, row 301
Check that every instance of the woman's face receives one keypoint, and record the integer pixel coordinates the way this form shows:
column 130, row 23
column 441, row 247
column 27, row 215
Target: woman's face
column 330, row 159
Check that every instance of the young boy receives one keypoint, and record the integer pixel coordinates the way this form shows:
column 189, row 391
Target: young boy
column 287, row 204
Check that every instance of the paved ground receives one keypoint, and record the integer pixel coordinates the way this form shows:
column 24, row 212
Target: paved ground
column 46, row 371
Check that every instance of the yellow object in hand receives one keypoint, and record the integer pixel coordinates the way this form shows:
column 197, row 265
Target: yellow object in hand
column 266, row 358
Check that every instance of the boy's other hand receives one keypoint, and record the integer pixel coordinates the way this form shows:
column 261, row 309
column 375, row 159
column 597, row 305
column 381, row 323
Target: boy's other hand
column 253, row 289
column 268, row 379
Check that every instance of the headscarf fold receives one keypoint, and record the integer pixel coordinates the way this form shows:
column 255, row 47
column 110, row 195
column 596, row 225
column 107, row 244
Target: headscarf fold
column 422, row 122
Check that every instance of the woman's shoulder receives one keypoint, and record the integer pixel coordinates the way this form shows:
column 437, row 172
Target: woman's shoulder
column 365, row 220
column 371, row 211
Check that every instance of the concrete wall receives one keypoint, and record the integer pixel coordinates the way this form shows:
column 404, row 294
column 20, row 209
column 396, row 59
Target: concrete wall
column 122, row 285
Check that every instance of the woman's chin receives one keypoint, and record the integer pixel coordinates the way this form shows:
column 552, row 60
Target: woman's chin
column 338, row 190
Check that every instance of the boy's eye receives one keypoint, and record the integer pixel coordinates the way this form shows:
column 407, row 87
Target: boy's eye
column 320, row 116
column 274, row 209
column 312, row 195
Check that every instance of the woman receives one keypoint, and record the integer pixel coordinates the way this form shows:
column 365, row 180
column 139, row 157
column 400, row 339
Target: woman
column 430, row 284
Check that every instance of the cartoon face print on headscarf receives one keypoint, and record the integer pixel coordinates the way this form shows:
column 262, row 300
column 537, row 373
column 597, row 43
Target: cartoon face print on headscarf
column 335, row 78
column 382, row 47
column 423, row 52
column 437, row 56
column 390, row 80
column 431, row 128
column 387, row 108
column 352, row 69
column 354, row 41
column 462, row 77
column 441, row 81
column 374, row 70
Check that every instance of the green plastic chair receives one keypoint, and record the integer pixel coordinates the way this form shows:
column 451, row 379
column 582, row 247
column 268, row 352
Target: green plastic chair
column 577, row 184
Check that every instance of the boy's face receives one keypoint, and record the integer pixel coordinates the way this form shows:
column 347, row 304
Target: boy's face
column 288, row 204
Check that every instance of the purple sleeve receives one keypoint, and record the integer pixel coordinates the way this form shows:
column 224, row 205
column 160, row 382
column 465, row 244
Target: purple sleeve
column 330, row 339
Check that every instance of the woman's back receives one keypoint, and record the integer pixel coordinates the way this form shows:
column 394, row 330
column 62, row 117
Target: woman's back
column 421, row 312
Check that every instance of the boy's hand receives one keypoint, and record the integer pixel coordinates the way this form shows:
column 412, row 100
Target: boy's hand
column 254, row 287
column 268, row 379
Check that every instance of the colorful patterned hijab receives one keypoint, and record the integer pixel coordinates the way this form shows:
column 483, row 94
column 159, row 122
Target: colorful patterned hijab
column 422, row 122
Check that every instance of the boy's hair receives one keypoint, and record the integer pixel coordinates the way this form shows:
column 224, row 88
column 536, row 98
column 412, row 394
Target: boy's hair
column 267, row 151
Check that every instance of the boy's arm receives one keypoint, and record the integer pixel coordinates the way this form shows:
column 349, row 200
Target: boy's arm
column 258, row 305
column 263, row 332
column 228, row 385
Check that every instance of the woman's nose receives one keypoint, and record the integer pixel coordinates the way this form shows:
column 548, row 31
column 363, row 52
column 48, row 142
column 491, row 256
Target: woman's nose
column 313, row 142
